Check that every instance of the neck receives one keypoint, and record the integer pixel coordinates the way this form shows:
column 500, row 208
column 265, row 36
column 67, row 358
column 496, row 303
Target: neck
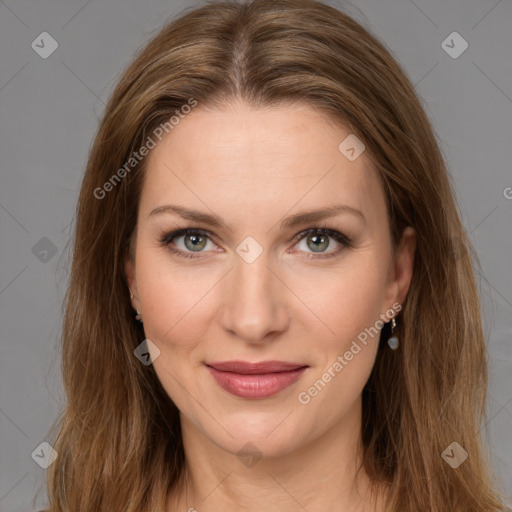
column 323, row 474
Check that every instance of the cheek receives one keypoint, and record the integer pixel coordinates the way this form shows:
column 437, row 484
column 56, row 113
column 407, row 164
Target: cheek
column 335, row 303
column 171, row 299
column 348, row 300
column 351, row 308
column 174, row 299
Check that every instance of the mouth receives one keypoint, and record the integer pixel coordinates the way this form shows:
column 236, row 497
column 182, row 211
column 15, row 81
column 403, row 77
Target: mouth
column 255, row 380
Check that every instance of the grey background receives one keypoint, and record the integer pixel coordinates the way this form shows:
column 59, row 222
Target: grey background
column 49, row 110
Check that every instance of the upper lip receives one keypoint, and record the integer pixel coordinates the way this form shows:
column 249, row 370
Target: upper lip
column 247, row 368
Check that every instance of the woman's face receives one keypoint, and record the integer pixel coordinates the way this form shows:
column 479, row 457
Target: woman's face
column 256, row 287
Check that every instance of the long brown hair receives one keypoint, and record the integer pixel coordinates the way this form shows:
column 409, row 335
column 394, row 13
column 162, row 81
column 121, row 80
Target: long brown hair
column 118, row 439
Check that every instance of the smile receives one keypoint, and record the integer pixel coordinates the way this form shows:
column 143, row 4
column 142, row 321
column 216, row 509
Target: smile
column 255, row 380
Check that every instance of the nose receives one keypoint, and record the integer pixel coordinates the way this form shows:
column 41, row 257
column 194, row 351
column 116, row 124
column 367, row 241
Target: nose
column 254, row 309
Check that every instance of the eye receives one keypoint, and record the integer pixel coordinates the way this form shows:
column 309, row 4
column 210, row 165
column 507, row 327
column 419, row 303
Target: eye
column 195, row 240
column 317, row 239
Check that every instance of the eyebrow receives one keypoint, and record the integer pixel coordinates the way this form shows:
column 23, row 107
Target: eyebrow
column 289, row 222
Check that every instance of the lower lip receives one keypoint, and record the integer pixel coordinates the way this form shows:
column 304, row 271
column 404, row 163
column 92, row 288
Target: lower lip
column 256, row 386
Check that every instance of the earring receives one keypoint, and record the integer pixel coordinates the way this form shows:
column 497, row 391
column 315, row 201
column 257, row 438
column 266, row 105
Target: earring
column 138, row 316
column 393, row 340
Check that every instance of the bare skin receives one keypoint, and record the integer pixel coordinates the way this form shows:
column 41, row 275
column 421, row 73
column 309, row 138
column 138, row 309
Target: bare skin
column 253, row 168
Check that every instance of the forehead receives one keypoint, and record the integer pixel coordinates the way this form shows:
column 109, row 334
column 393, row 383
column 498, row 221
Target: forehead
column 253, row 159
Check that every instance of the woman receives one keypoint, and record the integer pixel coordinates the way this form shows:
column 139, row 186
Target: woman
column 272, row 303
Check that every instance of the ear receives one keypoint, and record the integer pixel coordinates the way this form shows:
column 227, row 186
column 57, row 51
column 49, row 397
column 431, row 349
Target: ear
column 129, row 269
column 401, row 275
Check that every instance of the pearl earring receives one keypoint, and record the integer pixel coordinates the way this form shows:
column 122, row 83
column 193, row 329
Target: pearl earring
column 393, row 340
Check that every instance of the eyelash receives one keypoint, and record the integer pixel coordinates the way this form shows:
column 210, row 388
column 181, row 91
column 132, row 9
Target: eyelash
column 344, row 240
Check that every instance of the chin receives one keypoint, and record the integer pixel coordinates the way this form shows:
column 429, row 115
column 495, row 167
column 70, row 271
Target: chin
column 267, row 436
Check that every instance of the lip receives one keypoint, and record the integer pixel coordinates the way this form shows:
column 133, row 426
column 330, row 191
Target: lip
column 255, row 380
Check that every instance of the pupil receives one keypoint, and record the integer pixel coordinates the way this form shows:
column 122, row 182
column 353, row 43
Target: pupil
column 194, row 241
column 322, row 245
